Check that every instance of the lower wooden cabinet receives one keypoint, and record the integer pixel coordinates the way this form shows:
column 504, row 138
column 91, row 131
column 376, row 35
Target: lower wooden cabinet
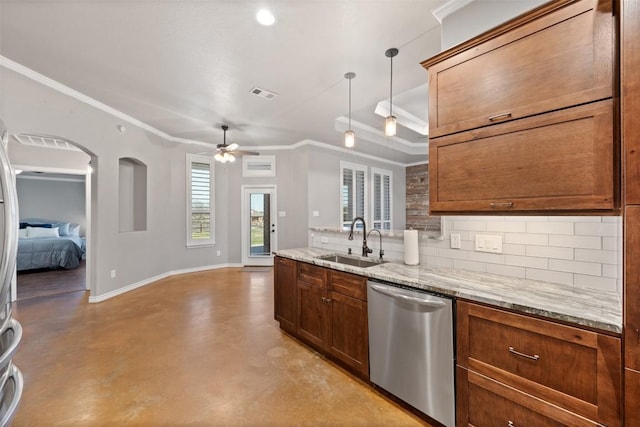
column 330, row 311
column 521, row 364
column 284, row 293
column 632, row 398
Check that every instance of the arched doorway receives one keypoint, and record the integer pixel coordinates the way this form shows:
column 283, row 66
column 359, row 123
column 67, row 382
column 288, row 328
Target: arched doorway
column 48, row 155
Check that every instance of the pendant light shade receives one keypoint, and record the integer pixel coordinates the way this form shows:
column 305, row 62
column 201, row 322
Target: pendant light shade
column 390, row 121
column 349, row 135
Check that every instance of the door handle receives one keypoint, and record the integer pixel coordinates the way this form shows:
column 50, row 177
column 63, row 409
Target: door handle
column 406, row 298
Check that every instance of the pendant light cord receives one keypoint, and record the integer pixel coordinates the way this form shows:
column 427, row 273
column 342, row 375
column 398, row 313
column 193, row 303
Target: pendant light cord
column 391, row 90
column 349, row 104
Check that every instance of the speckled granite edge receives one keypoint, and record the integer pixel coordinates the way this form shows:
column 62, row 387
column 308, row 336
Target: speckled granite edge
column 399, row 234
column 589, row 308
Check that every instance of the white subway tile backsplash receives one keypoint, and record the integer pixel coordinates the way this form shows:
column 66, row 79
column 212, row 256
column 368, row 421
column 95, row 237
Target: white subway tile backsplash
column 470, row 265
column 523, row 261
column 549, row 252
column 595, row 282
column 575, row 267
column 526, row 239
column 582, row 251
column 506, row 270
column 470, row 225
column 592, row 229
column 486, row 257
column 586, row 242
column 550, row 228
column 510, row 227
column 613, row 271
column 592, row 255
column 549, row 276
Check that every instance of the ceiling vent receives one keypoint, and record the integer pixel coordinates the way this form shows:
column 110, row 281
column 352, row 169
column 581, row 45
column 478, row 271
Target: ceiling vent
column 45, row 142
column 263, row 93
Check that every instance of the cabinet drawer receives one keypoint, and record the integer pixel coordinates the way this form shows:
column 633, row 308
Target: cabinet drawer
column 348, row 284
column 559, row 161
column 491, row 404
column 570, row 367
column 312, row 274
column 559, row 57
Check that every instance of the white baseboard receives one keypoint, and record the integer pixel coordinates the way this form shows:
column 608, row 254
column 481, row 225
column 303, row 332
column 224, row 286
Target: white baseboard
column 141, row 283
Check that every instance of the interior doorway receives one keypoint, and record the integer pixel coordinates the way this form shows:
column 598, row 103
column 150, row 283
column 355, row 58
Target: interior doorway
column 259, row 237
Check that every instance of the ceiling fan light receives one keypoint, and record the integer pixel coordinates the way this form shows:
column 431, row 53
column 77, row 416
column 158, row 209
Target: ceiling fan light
column 349, row 138
column 218, row 157
column 230, row 157
column 390, row 126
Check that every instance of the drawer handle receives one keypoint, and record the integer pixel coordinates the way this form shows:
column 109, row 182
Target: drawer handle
column 502, row 205
column 500, row 117
column 511, row 424
column 528, row 356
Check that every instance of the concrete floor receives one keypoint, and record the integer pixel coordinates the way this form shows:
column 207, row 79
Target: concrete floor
column 198, row 349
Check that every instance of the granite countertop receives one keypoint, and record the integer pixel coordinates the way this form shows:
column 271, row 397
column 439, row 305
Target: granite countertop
column 590, row 308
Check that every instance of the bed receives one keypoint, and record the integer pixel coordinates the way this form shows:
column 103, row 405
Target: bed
column 49, row 245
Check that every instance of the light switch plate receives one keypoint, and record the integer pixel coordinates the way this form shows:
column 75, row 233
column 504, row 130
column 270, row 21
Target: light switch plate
column 455, row 241
column 324, row 240
column 488, row 243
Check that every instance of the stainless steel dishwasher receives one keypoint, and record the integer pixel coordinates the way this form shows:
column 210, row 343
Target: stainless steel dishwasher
column 411, row 348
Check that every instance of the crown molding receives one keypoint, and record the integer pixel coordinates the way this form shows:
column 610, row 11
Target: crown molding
column 448, row 8
column 66, row 90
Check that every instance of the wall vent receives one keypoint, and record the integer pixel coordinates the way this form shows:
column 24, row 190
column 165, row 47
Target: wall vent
column 259, row 166
column 45, row 142
column 263, row 93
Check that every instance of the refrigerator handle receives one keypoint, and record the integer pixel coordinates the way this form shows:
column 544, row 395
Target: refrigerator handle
column 10, row 207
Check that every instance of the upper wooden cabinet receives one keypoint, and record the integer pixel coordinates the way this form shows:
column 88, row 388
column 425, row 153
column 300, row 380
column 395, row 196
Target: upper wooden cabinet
column 559, row 161
column 521, row 118
column 559, row 56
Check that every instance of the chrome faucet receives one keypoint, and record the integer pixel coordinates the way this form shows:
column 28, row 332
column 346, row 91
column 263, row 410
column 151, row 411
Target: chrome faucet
column 380, row 234
column 365, row 250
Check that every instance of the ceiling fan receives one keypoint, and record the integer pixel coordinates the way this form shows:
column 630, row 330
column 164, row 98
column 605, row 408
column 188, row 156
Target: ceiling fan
column 228, row 153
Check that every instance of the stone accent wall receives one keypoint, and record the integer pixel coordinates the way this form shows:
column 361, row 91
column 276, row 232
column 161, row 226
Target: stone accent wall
column 417, row 195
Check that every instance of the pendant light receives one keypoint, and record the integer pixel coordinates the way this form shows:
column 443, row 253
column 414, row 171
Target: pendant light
column 349, row 135
column 390, row 121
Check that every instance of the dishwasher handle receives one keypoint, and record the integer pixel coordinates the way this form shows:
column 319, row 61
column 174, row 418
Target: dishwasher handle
column 406, row 298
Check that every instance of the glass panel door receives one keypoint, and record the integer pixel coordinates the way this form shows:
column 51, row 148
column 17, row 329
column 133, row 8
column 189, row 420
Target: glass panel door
column 258, row 225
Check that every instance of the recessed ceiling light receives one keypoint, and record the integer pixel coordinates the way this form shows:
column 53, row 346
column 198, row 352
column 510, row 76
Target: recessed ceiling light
column 265, row 17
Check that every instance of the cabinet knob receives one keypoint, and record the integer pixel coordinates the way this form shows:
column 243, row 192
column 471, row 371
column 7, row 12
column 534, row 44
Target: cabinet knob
column 323, row 299
column 327, row 300
column 511, row 424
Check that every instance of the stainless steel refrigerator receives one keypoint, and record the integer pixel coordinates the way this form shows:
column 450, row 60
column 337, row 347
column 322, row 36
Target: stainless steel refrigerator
column 11, row 381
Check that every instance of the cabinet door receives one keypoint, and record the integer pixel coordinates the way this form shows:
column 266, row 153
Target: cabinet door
column 348, row 338
column 631, row 397
column 573, row 368
column 284, row 293
column 630, row 96
column 541, row 62
column 312, row 314
column 560, row 161
column 632, row 287
column 489, row 403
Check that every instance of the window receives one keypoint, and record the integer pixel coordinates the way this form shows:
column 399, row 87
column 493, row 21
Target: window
column 381, row 199
column 200, row 218
column 354, row 200
column 353, row 193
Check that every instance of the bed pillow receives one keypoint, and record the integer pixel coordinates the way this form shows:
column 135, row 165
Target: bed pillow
column 42, row 232
column 39, row 225
column 22, row 233
column 74, row 230
column 63, row 228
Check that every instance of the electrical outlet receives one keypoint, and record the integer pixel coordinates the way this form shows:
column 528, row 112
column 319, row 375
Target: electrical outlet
column 218, row 253
column 324, row 240
column 316, row 213
column 455, row 241
column 113, row 274
column 488, row 243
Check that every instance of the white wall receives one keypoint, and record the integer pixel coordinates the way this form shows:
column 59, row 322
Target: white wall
column 480, row 16
column 63, row 201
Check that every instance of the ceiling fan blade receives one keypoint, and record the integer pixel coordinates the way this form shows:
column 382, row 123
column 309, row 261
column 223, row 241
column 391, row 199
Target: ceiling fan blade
column 246, row 153
column 232, row 147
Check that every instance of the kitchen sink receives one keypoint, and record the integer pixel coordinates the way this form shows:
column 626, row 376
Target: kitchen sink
column 351, row 260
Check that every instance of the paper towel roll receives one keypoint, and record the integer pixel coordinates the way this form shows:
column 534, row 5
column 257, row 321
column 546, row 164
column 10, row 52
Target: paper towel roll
column 411, row 247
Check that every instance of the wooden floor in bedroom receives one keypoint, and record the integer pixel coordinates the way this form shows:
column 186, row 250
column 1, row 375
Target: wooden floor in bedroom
column 40, row 283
